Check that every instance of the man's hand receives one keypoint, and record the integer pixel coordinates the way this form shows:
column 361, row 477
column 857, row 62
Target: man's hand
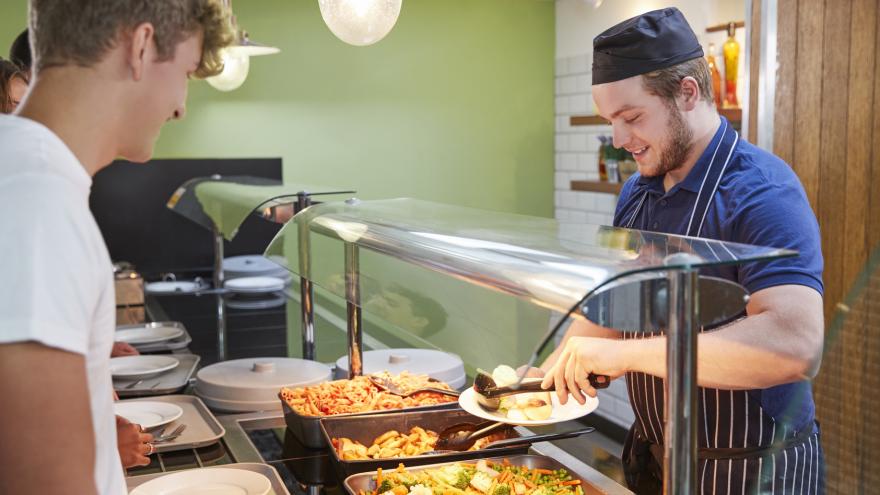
column 580, row 357
column 134, row 446
column 121, row 349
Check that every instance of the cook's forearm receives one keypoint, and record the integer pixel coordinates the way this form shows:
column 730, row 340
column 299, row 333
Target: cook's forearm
column 745, row 355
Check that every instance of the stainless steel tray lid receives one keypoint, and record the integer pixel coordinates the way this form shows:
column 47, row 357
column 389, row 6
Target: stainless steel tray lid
column 441, row 365
column 258, row 379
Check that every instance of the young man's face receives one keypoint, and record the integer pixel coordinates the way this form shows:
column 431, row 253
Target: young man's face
column 645, row 125
column 161, row 97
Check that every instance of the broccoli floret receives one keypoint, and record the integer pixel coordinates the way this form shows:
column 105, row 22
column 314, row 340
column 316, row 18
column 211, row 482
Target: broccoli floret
column 463, row 480
column 385, row 486
column 501, row 490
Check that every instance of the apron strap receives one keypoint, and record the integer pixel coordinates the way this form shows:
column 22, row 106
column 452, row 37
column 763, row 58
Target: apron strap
column 723, row 151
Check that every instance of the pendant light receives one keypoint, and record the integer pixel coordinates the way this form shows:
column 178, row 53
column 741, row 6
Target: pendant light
column 360, row 22
column 236, row 58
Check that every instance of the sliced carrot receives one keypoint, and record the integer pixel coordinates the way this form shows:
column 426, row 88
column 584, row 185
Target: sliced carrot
column 544, row 471
column 399, row 490
column 379, row 477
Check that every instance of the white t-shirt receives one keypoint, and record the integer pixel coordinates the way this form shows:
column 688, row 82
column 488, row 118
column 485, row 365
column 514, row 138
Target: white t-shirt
column 56, row 286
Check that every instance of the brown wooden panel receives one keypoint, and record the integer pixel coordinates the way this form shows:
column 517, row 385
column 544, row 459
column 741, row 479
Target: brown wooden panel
column 786, row 42
column 577, row 120
column 873, row 238
column 832, row 198
column 859, row 136
column 808, row 96
column 754, row 64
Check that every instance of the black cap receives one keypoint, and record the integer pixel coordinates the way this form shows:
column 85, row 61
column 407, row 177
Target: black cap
column 652, row 41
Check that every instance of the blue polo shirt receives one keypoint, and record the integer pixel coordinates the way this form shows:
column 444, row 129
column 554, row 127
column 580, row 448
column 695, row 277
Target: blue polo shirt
column 759, row 201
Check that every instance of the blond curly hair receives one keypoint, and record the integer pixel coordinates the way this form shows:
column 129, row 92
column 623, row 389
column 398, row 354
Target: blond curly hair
column 80, row 32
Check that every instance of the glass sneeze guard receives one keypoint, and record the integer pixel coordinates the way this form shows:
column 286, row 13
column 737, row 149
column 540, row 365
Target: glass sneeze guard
column 536, row 261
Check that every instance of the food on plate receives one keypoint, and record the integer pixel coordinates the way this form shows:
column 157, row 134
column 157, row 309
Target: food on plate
column 535, row 406
column 359, row 395
column 483, row 478
column 392, row 444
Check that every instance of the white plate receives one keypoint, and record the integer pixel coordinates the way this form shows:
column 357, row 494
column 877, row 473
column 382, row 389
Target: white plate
column 141, row 366
column 570, row 410
column 171, row 287
column 207, row 481
column 147, row 335
column 148, row 414
column 255, row 284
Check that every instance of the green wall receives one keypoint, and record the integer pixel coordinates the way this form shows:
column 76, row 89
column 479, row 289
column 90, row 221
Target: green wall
column 455, row 105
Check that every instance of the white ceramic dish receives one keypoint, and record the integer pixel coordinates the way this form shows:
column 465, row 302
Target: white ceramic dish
column 213, row 481
column 136, row 367
column 570, row 410
column 255, row 285
column 147, row 335
column 148, row 414
column 172, row 287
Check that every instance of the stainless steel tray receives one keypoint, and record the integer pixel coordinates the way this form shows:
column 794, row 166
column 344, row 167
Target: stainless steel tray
column 168, row 345
column 307, row 429
column 167, row 383
column 202, row 428
column 366, row 431
column 367, row 483
column 266, row 470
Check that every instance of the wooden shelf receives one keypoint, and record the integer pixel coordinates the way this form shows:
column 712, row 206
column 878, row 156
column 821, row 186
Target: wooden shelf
column 723, row 27
column 587, row 120
column 596, row 186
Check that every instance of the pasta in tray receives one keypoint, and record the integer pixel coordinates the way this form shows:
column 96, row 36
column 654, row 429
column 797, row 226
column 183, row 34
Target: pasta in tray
column 394, row 444
column 359, row 395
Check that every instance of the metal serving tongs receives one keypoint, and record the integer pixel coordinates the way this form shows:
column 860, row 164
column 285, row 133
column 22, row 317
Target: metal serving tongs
column 385, row 383
column 489, row 394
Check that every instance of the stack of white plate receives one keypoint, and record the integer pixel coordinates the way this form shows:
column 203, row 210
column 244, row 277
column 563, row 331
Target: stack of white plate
column 254, row 265
column 246, row 385
column 443, row 366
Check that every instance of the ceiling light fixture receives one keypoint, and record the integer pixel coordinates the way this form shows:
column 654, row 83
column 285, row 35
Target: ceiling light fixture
column 360, row 22
column 236, row 58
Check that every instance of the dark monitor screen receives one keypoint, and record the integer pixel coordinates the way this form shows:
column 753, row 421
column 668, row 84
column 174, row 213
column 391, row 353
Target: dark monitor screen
column 128, row 201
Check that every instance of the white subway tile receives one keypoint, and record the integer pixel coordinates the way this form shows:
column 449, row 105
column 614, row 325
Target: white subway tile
column 577, row 216
column 579, row 64
column 596, row 219
column 569, row 200
column 558, row 86
column 568, row 85
column 588, row 162
column 557, row 199
column 606, row 203
column 562, row 104
column 569, row 161
column 577, row 176
column 561, row 66
column 562, row 181
column 579, row 104
column 561, row 143
column 593, row 144
column 586, row 201
column 563, row 123
column 583, row 84
column 578, row 142
column 593, row 174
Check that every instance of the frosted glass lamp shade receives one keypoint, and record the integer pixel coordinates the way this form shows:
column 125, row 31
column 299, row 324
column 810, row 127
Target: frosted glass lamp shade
column 360, row 22
column 235, row 70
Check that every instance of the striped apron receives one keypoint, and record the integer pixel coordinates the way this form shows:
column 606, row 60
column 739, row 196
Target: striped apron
column 728, row 419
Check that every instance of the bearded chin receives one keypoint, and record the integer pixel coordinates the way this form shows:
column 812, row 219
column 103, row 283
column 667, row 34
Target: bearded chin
column 679, row 142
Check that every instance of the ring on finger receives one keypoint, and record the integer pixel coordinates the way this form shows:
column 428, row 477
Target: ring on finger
column 152, row 449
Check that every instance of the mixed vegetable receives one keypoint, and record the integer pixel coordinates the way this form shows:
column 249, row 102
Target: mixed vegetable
column 483, row 478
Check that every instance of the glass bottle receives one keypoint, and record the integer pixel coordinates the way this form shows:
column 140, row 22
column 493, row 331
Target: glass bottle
column 731, row 64
column 716, row 75
column 603, row 172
